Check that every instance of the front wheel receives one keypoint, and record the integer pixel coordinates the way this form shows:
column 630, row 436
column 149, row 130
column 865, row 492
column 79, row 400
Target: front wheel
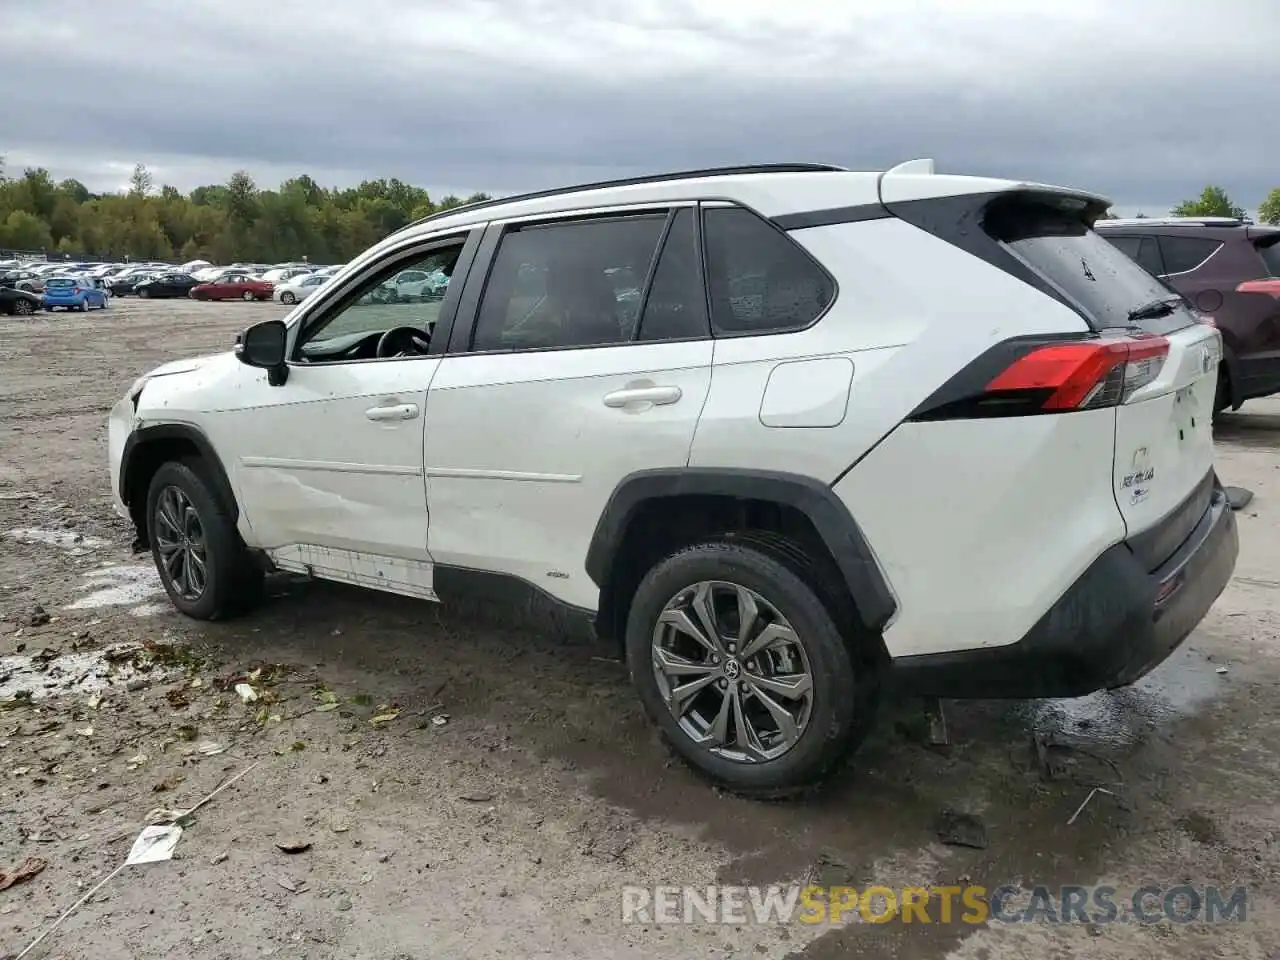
column 739, row 662
column 203, row 564
column 23, row 308
column 288, row 298
column 144, row 293
column 247, row 296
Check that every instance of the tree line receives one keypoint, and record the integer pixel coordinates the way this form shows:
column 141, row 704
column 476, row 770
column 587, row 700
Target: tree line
column 237, row 221
column 232, row 221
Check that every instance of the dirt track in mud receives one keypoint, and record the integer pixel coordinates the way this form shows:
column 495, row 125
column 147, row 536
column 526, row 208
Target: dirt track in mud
column 484, row 790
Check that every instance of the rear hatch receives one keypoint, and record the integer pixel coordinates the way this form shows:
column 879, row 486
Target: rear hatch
column 60, row 286
column 1164, row 437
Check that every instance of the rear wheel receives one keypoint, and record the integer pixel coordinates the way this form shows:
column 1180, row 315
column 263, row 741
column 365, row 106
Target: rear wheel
column 247, row 296
column 84, row 305
column 203, row 564
column 288, row 298
column 144, row 293
column 740, row 664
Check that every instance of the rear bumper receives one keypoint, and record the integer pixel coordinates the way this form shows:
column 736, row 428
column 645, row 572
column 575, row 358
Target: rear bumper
column 1115, row 624
column 63, row 301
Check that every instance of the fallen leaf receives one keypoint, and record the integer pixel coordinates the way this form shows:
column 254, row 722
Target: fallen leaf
column 385, row 717
column 326, row 707
column 219, row 859
column 94, row 702
column 137, row 760
column 440, row 719
column 291, row 885
column 187, row 732
column 210, row 749
column 293, row 845
column 297, row 745
column 23, row 872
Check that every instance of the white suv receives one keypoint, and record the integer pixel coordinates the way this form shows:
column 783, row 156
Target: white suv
column 784, row 432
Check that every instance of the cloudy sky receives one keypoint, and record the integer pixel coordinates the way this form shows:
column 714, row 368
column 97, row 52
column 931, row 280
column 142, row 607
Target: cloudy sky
column 1143, row 100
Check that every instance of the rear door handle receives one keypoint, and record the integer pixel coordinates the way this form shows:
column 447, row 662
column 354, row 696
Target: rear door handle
column 658, row 396
column 398, row 411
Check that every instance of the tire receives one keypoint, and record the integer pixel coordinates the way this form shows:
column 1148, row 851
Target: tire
column 84, row 305
column 232, row 582
column 842, row 699
column 248, row 296
column 288, row 298
column 144, row 293
column 23, row 308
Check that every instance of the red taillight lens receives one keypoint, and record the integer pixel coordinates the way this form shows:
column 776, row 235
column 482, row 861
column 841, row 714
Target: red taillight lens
column 1084, row 375
column 75, row 290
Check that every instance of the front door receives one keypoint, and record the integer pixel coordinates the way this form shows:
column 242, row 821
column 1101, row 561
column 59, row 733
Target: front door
column 329, row 465
column 588, row 358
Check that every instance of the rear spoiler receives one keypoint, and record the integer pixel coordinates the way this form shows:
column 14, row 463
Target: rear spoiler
column 918, row 181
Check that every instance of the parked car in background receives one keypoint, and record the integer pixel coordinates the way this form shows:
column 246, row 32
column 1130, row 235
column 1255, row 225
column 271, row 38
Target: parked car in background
column 1229, row 270
column 166, row 285
column 73, row 293
column 299, row 289
column 234, row 286
column 126, row 284
column 419, row 285
column 285, row 274
column 22, row 303
column 23, row 279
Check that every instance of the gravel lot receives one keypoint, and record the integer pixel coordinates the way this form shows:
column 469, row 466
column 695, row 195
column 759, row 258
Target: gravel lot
column 508, row 828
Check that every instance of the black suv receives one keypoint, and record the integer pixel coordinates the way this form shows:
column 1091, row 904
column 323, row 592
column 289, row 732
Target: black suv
column 1230, row 271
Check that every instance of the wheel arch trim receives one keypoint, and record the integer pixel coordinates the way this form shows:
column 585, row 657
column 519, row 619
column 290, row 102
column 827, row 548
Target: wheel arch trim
column 146, row 436
column 829, row 515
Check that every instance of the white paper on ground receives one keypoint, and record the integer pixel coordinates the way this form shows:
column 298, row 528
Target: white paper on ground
column 154, row 844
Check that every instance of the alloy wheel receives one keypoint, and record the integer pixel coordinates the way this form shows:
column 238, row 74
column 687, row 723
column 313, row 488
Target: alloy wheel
column 180, row 542
column 732, row 671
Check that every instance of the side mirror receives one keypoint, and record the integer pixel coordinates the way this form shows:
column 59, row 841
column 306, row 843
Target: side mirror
column 263, row 345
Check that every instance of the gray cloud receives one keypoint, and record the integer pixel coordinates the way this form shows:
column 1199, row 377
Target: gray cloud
column 506, row 95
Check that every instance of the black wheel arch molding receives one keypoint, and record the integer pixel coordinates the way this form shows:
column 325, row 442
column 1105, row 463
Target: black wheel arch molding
column 147, row 437
column 831, row 519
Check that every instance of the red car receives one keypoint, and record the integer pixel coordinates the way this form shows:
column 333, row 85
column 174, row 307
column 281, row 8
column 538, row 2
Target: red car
column 234, row 287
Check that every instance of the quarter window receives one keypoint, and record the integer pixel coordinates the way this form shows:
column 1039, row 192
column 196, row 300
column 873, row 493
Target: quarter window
column 1186, row 253
column 574, row 284
column 760, row 280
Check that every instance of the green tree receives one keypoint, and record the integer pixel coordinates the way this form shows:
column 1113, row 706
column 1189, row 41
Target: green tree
column 22, row 230
column 1212, row 202
column 1269, row 209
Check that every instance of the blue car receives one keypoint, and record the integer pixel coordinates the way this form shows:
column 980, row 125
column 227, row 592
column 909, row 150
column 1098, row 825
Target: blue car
column 73, row 293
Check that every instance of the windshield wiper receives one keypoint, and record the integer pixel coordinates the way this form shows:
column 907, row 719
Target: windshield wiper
column 1156, row 308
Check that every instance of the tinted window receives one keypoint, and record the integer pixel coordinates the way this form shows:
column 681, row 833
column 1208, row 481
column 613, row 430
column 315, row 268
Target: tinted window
column 1271, row 255
column 760, row 281
column 567, row 284
column 1144, row 250
column 1185, row 253
column 61, row 282
column 676, row 305
column 1105, row 284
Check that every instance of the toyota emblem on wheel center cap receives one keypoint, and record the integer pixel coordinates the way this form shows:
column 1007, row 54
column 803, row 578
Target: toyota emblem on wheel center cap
column 732, row 669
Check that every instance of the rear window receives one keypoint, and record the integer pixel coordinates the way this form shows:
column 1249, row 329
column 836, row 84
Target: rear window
column 61, row 282
column 1104, row 283
column 1269, row 250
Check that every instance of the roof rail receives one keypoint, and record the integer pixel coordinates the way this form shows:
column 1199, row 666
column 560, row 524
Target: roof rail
column 1177, row 221
column 635, row 181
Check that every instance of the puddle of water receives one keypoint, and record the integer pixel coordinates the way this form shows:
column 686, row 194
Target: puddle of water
column 84, row 672
column 62, row 539
column 1175, row 689
column 118, row 586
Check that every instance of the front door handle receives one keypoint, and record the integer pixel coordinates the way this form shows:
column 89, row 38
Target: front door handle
column 658, row 396
column 398, row 411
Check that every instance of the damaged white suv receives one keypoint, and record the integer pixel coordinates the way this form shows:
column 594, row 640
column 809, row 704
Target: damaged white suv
column 783, row 432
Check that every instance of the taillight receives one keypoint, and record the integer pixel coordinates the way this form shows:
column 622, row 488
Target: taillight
column 1027, row 376
column 75, row 290
column 1082, row 376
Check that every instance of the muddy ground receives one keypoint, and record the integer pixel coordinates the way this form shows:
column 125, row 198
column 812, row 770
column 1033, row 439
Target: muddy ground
column 470, row 788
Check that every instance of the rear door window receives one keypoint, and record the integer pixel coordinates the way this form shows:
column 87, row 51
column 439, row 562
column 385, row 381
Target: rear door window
column 1184, row 254
column 1095, row 275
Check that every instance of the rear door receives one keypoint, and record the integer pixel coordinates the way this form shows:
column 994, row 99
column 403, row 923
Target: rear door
column 1164, row 436
column 559, row 383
